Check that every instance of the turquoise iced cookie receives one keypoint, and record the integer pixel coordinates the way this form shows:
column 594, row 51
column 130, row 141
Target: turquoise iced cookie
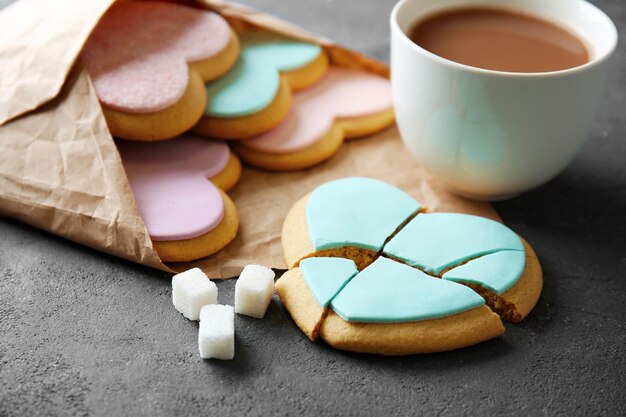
column 437, row 241
column 403, row 284
column 252, row 83
column 496, row 272
column 359, row 212
column 327, row 276
column 390, row 292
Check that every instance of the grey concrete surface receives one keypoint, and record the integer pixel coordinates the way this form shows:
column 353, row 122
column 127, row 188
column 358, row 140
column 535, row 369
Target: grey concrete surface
column 82, row 333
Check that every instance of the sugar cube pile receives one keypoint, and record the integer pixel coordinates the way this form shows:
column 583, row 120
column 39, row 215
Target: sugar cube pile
column 195, row 296
column 253, row 291
column 191, row 290
column 216, row 337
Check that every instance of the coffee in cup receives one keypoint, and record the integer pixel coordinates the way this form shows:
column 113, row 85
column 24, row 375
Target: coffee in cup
column 499, row 40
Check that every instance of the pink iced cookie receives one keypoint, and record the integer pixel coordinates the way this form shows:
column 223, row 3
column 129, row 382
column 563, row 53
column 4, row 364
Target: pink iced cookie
column 170, row 183
column 137, row 56
column 342, row 94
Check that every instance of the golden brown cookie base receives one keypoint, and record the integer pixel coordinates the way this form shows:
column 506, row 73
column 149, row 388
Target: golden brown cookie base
column 227, row 178
column 182, row 115
column 303, row 77
column 219, row 64
column 295, row 236
column 357, row 127
column 297, row 245
column 323, row 149
column 164, row 124
column 247, row 126
column 204, row 245
column 297, row 298
column 426, row 336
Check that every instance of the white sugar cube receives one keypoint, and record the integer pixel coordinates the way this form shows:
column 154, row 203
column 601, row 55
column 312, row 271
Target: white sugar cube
column 216, row 338
column 191, row 290
column 253, row 291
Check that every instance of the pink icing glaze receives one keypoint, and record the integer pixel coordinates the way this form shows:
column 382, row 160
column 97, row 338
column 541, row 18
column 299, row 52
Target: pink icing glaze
column 169, row 182
column 137, row 55
column 341, row 93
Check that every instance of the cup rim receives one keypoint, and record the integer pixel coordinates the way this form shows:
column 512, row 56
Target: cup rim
column 484, row 71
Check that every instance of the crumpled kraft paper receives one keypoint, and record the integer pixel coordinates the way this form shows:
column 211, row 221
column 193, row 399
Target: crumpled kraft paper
column 60, row 170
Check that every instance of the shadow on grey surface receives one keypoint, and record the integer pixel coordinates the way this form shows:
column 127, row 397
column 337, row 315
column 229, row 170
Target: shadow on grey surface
column 239, row 368
column 588, row 199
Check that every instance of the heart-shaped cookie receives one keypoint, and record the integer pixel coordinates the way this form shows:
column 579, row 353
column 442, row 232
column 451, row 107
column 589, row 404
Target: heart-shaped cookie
column 149, row 61
column 255, row 95
column 345, row 103
column 179, row 187
column 421, row 274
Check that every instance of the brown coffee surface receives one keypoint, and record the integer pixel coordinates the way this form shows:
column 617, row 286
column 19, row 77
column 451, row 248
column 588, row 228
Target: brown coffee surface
column 499, row 40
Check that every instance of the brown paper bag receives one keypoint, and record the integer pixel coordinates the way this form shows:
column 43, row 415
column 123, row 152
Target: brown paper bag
column 60, row 170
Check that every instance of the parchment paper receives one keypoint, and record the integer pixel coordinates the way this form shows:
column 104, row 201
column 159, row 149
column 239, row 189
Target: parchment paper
column 60, row 170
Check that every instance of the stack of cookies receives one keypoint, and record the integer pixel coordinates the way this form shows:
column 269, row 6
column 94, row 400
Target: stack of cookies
column 178, row 86
column 287, row 109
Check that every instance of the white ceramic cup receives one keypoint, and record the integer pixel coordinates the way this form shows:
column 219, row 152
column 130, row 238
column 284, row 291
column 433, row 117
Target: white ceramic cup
column 490, row 134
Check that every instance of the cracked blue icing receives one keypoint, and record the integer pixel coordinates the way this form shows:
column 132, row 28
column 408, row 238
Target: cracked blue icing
column 496, row 272
column 391, row 292
column 327, row 276
column 436, row 241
